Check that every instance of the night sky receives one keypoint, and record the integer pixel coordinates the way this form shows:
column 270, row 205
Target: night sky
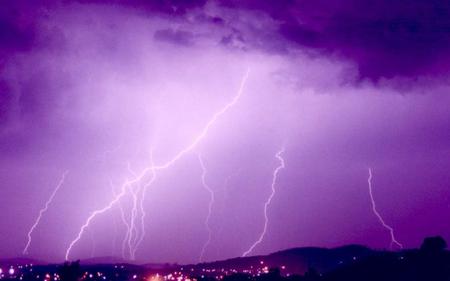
column 140, row 112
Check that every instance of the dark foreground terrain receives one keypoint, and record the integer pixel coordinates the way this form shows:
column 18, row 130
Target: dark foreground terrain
column 430, row 262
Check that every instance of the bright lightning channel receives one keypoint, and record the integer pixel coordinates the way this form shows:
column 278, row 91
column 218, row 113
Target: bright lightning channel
column 380, row 218
column 43, row 210
column 154, row 168
column 133, row 237
column 133, row 232
column 210, row 206
column 278, row 155
column 124, row 220
column 142, row 209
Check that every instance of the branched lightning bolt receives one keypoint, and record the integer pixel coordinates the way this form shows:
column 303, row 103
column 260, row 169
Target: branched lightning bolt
column 142, row 209
column 133, row 229
column 210, row 205
column 154, row 168
column 124, row 220
column 43, row 210
column 278, row 155
column 380, row 218
column 133, row 232
column 133, row 237
column 94, row 214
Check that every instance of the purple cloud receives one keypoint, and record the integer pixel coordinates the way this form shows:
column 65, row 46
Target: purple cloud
column 90, row 86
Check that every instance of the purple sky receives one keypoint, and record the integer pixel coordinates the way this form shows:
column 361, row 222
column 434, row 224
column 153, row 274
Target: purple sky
column 91, row 88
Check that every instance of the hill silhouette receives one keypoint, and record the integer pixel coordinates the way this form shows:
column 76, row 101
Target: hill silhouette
column 431, row 262
column 296, row 260
column 105, row 260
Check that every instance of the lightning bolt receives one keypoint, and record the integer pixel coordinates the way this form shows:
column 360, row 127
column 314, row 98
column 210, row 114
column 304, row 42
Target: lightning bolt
column 124, row 220
column 155, row 168
column 133, row 237
column 139, row 236
column 210, row 205
column 142, row 209
column 132, row 231
column 278, row 155
column 43, row 210
column 380, row 218
column 95, row 213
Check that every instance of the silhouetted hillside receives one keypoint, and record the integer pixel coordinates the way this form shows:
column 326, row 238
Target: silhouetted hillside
column 296, row 260
column 430, row 263
column 105, row 260
column 350, row 263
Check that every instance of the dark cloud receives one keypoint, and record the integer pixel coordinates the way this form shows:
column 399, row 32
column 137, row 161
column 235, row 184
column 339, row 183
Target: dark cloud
column 384, row 38
column 6, row 100
column 170, row 7
column 17, row 29
column 13, row 37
